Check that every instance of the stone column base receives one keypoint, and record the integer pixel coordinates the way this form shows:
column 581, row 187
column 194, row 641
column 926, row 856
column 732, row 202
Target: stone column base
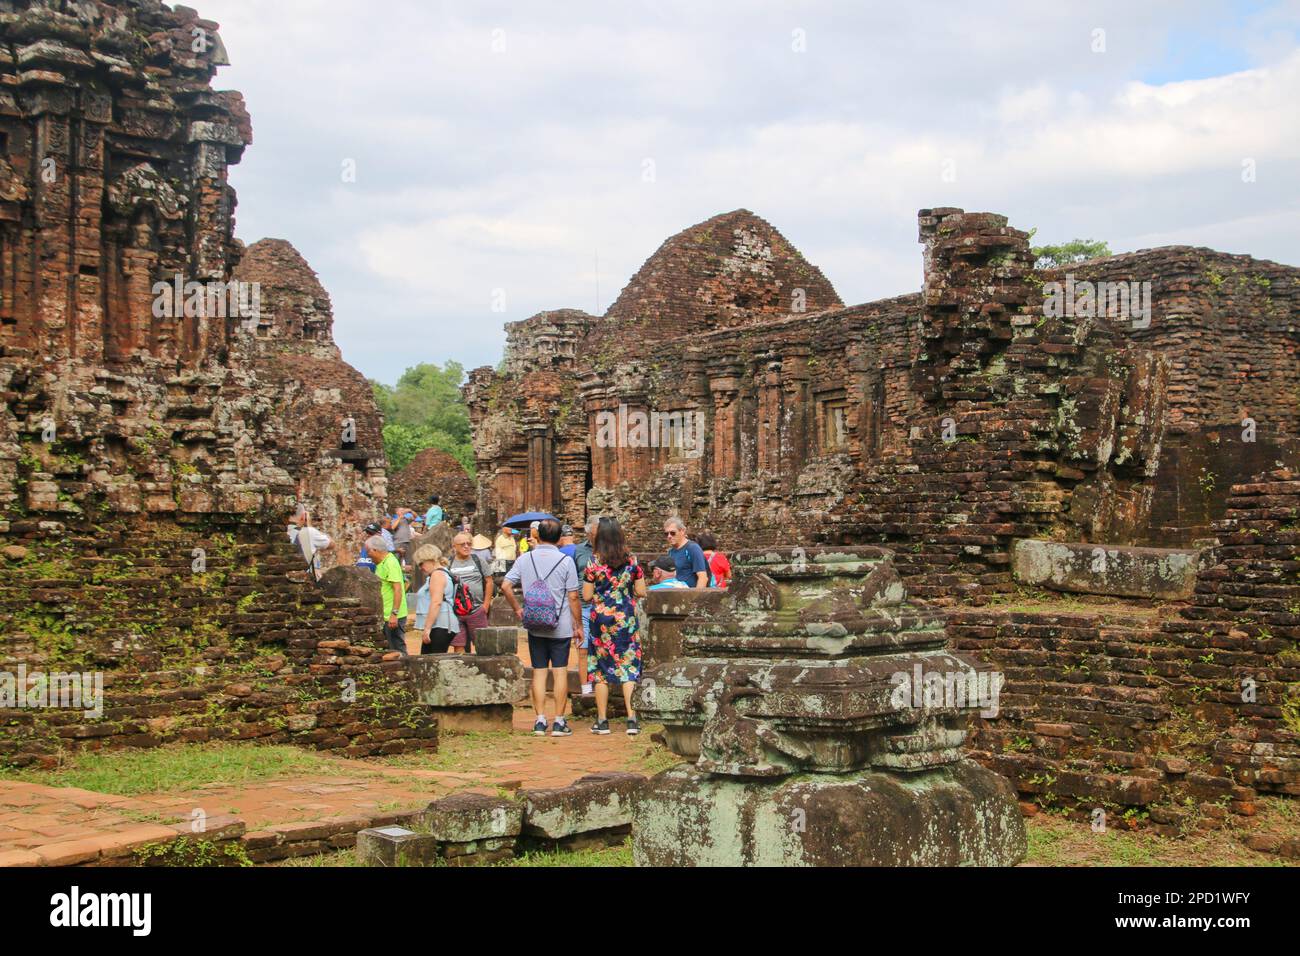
column 958, row 815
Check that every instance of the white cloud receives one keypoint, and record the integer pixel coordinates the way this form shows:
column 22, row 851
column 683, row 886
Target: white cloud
column 516, row 170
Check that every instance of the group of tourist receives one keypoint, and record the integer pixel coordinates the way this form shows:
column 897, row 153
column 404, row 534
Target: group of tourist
column 567, row 594
column 585, row 595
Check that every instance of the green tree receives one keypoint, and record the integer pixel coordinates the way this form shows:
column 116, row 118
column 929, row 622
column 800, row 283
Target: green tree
column 1076, row 250
column 425, row 410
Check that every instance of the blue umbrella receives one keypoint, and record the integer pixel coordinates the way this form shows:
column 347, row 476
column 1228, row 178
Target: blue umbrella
column 527, row 518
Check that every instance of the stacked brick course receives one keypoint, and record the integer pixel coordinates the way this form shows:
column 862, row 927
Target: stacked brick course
column 1184, row 712
column 244, row 650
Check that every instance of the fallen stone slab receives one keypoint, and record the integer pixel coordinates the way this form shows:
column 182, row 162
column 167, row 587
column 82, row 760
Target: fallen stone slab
column 1165, row 573
column 595, row 804
column 466, row 817
column 472, row 829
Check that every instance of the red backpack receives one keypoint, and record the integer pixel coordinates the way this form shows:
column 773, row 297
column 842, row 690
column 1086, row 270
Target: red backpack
column 463, row 601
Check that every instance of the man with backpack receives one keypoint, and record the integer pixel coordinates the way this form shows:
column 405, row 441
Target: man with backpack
column 473, row 590
column 549, row 581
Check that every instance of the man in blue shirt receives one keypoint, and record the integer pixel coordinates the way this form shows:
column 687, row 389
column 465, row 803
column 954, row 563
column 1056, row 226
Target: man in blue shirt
column 687, row 556
column 566, row 543
column 434, row 515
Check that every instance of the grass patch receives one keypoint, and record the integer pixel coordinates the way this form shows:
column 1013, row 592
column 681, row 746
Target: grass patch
column 620, row 855
column 1057, row 842
column 341, row 858
column 174, row 768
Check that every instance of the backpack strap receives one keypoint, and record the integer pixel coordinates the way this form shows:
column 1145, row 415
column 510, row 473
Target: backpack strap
column 554, row 566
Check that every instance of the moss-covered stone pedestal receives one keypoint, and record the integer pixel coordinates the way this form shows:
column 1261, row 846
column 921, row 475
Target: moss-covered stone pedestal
column 825, row 721
column 468, row 692
column 958, row 815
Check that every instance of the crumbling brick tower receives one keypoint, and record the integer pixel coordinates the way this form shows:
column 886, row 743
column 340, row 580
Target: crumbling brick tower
column 1018, row 424
column 149, row 455
column 115, row 150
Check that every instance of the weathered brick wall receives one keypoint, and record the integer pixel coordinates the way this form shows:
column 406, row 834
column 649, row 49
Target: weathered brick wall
column 828, row 426
column 432, row 472
column 1179, row 713
column 116, row 152
column 244, row 650
column 1227, row 325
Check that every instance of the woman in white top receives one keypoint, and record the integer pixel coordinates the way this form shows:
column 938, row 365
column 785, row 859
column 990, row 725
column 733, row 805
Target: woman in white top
column 435, row 616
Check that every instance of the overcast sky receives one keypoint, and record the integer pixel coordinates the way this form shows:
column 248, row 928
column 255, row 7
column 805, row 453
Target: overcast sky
column 535, row 154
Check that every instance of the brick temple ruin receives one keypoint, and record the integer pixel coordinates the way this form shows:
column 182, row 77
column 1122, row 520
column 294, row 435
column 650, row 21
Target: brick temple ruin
column 951, row 426
column 156, row 429
column 170, row 394
column 825, row 423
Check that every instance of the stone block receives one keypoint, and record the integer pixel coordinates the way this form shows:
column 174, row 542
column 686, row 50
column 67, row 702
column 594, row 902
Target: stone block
column 497, row 641
column 1164, row 573
column 665, row 612
column 501, row 614
column 469, row 817
column 396, row 846
column 357, row 583
column 466, row 680
column 958, row 815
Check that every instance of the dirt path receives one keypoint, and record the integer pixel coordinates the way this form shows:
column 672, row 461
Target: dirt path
column 47, row 825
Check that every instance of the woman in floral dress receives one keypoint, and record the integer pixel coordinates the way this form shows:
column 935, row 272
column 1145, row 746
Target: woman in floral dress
column 612, row 584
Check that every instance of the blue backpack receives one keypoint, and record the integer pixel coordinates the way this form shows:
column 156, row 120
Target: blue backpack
column 540, row 610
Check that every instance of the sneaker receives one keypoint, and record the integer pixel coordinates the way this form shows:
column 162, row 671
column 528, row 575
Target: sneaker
column 600, row 727
column 633, row 728
column 539, row 727
column 561, row 729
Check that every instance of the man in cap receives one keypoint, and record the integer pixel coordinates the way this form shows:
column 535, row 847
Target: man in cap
column 392, row 586
column 566, row 542
column 663, row 575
